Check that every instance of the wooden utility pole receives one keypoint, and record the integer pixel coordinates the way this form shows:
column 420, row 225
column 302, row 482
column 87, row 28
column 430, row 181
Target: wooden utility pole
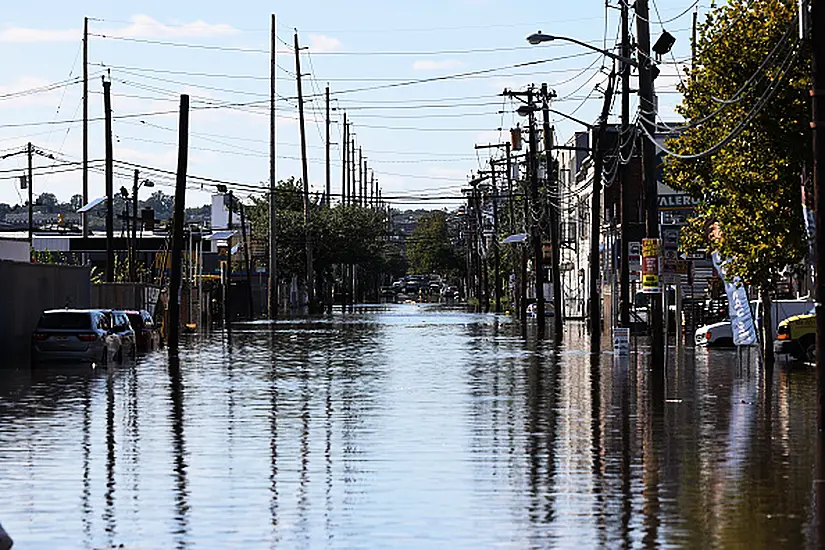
column 110, row 223
column 595, row 315
column 818, row 127
column 273, row 205
column 625, row 150
column 535, row 228
column 177, row 227
column 84, row 215
column 247, row 263
column 360, row 192
column 496, row 256
column 555, row 203
column 132, row 248
column 344, row 160
column 227, row 288
column 373, row 192
column 647, row 107
column 310, row 279
column 29, row 153
column 328, row 159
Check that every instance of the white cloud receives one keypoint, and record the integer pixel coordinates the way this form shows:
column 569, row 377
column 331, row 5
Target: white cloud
column 429, row 65
column 21, row 34
column 140, row 26
column 143, row 26
column 318, row 43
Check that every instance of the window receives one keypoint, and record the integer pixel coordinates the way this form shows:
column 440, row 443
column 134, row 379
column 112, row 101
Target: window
column 65, row 320
column 103, row 322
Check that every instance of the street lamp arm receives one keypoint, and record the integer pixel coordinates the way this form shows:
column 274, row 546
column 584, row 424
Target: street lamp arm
column 539, row 37
column 574, row 119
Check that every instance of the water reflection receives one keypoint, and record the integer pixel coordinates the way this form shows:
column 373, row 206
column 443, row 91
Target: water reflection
column 409, row 426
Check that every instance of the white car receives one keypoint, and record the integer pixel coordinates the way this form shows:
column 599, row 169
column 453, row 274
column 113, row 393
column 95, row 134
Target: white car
column 716, row 334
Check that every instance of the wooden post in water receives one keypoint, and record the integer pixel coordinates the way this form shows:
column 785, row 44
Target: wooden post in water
column 177, row 228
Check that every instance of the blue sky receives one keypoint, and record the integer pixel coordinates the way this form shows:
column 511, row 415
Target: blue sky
column 418, row 138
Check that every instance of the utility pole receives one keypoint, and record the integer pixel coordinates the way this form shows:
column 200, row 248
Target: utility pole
column 84, row 215
column 648, row 108
column 177, row 227
column 227, row 289
column 595, row 222
column 624, row 174
column 305, row 173
column 496, row 256
column 365, row 194
column 360, row 192
column 110, row 224
column 328, row 165
column 818, row 126
column 273, row 205
column 132, row 249
column 373, row 193
column 247, row 263
column 29, row 152
column 535, row 228
column 555, row 201
column 344, row 160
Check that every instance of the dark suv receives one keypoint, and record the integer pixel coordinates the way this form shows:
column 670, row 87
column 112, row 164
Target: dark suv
column 147, row 336
column 75, row 335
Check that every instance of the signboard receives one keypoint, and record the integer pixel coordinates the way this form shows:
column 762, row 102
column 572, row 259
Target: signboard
column 547, row 250
column 670, row 257
column 651, row 250
column 621, row 341
column 634, row 260
column 677, row 201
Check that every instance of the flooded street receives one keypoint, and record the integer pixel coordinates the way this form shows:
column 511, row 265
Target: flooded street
column 407, row 426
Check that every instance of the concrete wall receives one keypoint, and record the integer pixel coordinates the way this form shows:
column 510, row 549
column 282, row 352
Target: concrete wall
column 28, row 290
column 15, row 250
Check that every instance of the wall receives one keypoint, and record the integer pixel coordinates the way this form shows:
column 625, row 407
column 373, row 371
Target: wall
column 125, row 296
column 16, row 250
column 29, row 289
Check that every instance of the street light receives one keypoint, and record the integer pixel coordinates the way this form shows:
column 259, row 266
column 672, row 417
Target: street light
column 539, row 37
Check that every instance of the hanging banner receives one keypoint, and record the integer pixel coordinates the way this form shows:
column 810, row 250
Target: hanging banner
column 739, row 309
column 651, row 261
column 809, row 216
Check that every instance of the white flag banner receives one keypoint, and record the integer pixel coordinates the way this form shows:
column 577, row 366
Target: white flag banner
column 741, row 319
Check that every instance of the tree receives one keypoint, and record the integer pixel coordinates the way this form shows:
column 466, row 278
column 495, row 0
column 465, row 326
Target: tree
column 343, row 234
column 430, row 249
column 748, row 58
column 47, row 201
column 76, row 202
column 162, row 204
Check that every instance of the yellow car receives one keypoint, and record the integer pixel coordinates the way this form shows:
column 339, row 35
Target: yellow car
column 796, row 336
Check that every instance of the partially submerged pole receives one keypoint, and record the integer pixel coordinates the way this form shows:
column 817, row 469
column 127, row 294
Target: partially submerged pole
column 177, row 227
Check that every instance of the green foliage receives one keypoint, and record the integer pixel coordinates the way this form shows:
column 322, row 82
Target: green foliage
column 430, row 249
column 342, row 234
column 750, row 189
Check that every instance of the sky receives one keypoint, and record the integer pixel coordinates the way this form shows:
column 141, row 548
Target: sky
column 420, row 81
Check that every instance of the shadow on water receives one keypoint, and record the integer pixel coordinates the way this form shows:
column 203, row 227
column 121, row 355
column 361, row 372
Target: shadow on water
column 410, row 426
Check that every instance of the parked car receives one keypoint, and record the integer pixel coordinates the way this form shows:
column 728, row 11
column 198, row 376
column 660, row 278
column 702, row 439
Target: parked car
column 147, row 335
column 796, row 336
column 75, row 335
column 123, row 328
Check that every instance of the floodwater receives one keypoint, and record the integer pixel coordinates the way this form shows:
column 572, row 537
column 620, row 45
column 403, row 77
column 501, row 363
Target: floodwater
column 407, row 426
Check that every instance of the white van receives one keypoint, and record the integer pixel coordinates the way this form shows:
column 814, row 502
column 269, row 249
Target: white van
column 720, row 334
